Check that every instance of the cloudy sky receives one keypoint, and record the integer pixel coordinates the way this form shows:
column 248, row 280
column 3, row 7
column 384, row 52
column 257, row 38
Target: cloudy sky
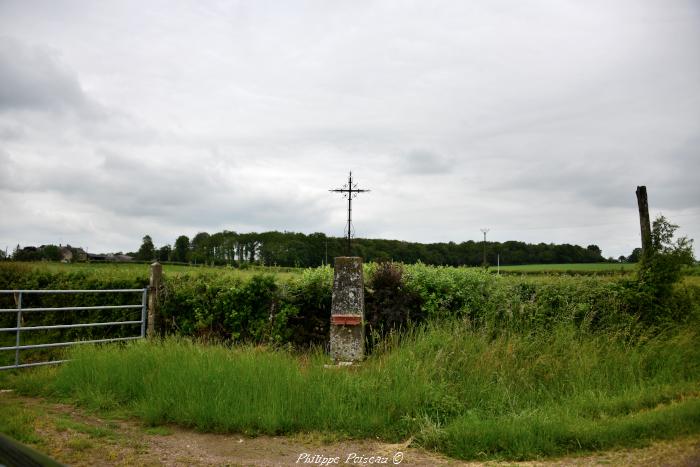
column 536, row 119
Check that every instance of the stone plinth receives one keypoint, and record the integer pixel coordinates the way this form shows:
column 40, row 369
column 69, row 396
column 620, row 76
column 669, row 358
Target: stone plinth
column 348, row 310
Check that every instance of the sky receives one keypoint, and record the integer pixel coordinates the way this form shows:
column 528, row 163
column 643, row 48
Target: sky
column 534, row 119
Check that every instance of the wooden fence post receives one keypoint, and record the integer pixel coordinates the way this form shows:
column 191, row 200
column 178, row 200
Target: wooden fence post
column 153, row 297
column 644, row 223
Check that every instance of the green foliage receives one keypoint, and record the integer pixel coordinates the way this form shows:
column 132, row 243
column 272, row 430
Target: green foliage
column 571, row 269
column 654, row 292
column 182, row 246
column 635, row 256
column 389, row 304
column 42, row 253
column 306, row 304
column 164, row 253
column 450, row 387
column 662, row 265
column 294, row 309
column 147, row 251
column 294, row 249
column 18, row 423
column 24, row 276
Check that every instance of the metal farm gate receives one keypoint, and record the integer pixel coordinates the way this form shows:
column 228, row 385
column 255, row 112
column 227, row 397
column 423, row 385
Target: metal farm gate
column 20, row 310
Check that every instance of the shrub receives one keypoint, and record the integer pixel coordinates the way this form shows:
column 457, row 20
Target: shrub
column 653, row 292
column 389, row 304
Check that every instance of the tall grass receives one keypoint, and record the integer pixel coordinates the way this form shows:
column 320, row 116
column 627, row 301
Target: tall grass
column 451, row 387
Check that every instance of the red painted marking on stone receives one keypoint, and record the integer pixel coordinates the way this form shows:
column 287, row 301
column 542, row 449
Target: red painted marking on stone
column 346, row 320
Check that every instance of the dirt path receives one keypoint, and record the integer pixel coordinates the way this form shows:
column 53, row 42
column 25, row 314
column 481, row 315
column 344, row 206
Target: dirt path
column 77, row 438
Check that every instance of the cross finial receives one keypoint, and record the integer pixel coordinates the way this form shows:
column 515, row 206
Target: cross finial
column 349, row 192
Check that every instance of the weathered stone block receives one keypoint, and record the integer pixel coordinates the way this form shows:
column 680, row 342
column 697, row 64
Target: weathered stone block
column 347, row 331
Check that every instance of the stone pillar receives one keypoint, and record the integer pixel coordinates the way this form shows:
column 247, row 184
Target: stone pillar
column 348, row 310
column 153, row 297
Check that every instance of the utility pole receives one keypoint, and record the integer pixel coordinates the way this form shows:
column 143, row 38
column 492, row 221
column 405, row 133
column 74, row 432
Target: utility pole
column 349, row 192
column 485, row 231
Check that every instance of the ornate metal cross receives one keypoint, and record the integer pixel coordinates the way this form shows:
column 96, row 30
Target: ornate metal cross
column 349, row 192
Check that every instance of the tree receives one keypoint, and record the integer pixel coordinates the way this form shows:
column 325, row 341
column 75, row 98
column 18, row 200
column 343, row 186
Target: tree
column 635, row 256
column 200, row 247
column 182, row 247
column 147, row 252
column 164, row 253
column 51, row 253
column 594, row 254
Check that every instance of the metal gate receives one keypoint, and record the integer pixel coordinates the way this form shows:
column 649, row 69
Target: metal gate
column 19, row 329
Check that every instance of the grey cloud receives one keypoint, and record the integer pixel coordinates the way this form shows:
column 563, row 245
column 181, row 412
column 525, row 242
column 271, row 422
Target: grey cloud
column 680, row 181
column 32, row 78
column 424, row 162
column 521, row 111
column 196, row 193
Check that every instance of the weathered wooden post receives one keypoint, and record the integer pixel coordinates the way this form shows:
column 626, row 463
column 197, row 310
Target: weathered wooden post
column 153, row 297
column 348, row 311
column 644, row 222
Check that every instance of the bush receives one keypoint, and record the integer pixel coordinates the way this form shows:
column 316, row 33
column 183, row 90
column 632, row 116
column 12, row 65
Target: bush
column 654, row 291
column 389, row 304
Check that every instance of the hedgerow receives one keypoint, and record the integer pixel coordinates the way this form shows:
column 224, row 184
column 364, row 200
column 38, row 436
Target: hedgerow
column 261, row 308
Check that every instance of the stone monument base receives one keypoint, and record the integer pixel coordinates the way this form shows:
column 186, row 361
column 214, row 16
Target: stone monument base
column 347, row 343
column 348, row 310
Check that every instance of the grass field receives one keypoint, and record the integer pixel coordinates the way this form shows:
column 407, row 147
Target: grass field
column 449, row 387
column 573, row 267
column 142, row 269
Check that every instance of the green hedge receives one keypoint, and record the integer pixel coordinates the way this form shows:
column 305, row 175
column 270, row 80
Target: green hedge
column 260, row 308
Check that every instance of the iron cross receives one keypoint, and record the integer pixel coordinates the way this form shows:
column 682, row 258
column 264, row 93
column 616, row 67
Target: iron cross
column 349, row 191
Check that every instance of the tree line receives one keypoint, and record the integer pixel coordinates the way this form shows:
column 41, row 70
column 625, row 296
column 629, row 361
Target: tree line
column 292, row 249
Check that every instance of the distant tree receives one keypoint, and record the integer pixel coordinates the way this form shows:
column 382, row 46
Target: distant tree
column 147, row 252
column 164, row 253
column 28, row 253
column 593, row 253
column 199, row 247
column 51, row 253
column 182, row 248
column 635, row 256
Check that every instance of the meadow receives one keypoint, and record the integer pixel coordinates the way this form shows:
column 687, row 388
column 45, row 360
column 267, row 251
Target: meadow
column 129, row 270
column 493, row 367
column 450, row 387
column 572, row 268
